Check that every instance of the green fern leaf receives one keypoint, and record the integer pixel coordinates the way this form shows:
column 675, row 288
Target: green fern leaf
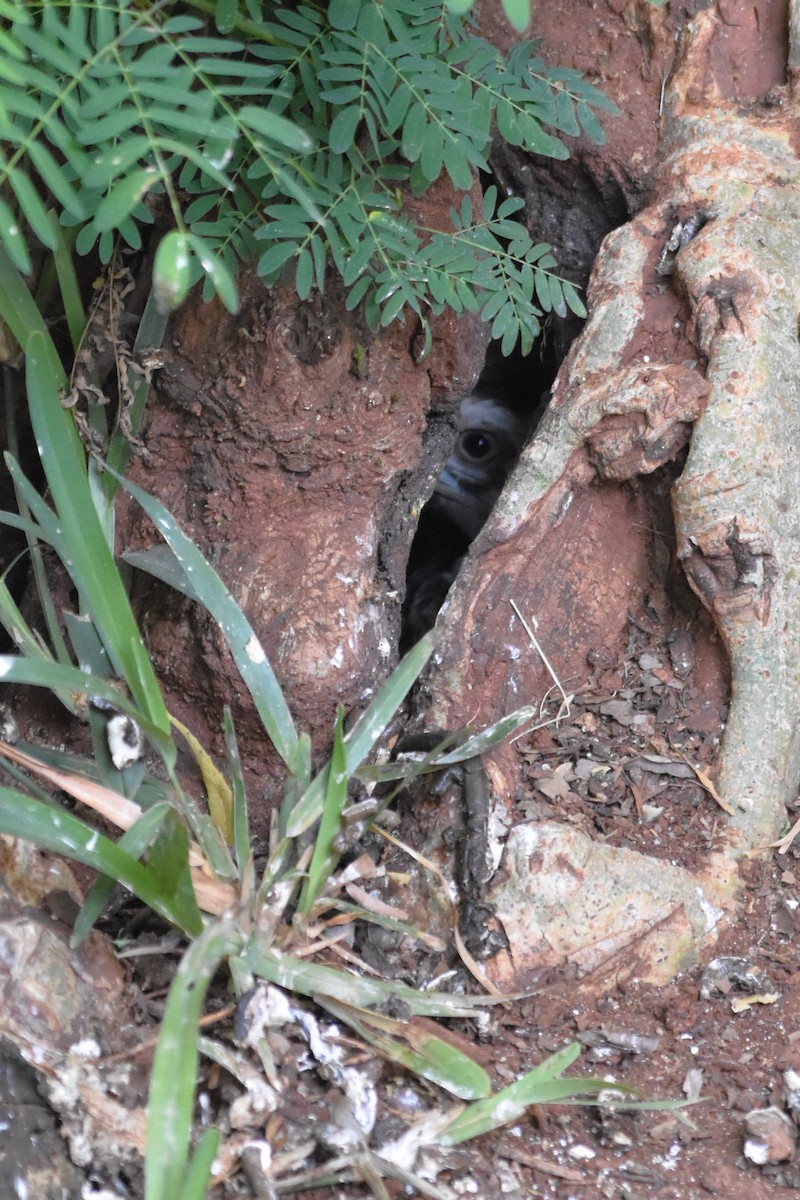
column 54, row 177
column 120, row 200
column 274, row 259
column 31, row 205
column 300, row 133
column 572, row 298
column 343, row 128
column 13, row 239
column 276, row 128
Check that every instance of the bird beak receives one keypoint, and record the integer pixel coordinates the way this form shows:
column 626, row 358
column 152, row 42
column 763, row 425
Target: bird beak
column 448, row 485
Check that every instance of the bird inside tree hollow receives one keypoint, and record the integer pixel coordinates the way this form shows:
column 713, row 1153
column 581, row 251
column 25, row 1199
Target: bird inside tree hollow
column 490, row 435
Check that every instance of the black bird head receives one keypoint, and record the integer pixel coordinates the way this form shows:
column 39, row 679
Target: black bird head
column 490, row 437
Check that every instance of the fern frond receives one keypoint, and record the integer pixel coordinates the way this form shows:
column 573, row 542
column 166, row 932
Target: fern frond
column 299, row 131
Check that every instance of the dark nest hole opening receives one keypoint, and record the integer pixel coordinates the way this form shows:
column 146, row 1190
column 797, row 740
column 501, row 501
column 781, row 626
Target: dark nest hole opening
column 566, row 206
column 492, row 424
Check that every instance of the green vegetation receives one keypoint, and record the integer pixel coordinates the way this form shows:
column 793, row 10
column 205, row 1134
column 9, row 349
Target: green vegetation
column 293, row 140
column 215, row 898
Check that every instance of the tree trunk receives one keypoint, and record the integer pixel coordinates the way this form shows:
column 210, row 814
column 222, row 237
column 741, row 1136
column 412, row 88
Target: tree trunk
column 294, row 444
column 288, row 441
column 692, row 338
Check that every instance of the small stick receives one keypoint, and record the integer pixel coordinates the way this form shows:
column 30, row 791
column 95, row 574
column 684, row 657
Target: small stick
column 542, row 655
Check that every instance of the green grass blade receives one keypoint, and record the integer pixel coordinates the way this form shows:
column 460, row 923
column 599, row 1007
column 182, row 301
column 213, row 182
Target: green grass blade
column 134, row 842
column 26, row 640
column 198, row 1174
column 370, row 726
column 33, row 533
column 169, row 861
column 241, row 822
column 313, row 979
column 161, row 563
column 470, row 746
column 60, row 831
column 479, row 743
column 434, row 1059
column 64, row 262
column 417, row 1049
column 24, row 524
column 542, row 1085
column 173, row 1081
column 366, row 732
column 17, row 306
column 84, row 550
column 296, row 783
column 245, row 647
column 324, row 858
column 48, row 529
column 209, row 839
column 26, row 781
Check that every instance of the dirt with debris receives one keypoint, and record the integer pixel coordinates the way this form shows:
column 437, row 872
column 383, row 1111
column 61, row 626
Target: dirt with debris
column 628, row 765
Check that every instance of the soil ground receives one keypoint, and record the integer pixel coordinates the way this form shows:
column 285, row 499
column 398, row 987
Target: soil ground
column 619, row 767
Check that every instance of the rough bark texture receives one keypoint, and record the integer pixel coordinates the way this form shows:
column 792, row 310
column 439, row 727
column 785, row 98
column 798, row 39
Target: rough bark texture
column 735, row 502
column 288, row 442
column 62, row 1009
column 709, row 353
column 291, row 442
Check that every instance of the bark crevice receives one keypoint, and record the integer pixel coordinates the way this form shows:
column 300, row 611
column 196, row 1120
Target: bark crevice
column 707, row 357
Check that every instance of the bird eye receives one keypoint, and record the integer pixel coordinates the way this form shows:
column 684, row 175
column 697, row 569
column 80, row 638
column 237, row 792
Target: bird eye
column 474, row 444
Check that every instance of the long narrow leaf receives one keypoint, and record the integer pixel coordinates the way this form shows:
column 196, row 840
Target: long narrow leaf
column 245, row 647
column 17, row 306
column 198, row 1173
column 134, row 842
column 84, row 550
column 52, row 829
column 470, row 747
column 29, row 502
column 214, row 895
column 542, row 1085
column 44, row 672
column 64, row 262
column 418, row 1049
column 366, row 732
column 161, row 563
column 173, row 1081
column 218, row 792
column 241, row 823
column 26, row 640
column 312, row 979
column 323, row 858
